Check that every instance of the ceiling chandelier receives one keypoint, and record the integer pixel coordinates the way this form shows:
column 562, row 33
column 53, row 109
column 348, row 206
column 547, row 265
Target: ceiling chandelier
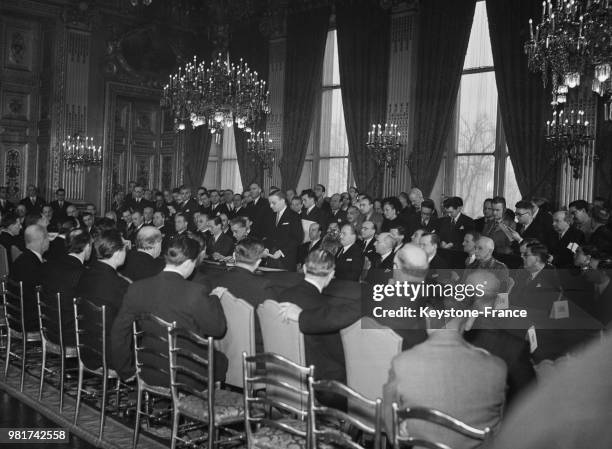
column 570, row 136
column 385, row 146
column 79, row 151
column 217, row 95
column 573, row 36
column 261, row 150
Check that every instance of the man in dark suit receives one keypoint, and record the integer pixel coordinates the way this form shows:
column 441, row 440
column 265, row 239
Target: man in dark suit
column 453, row 227
column 438, row 266
column 216, row 207
column 101, row 284
column 425, row 219
column 311, row 211
column 381, row 269
column 63, row 275
column 27, row 268
column 33, row 203
column 219, row 245
column 487, row 211
column 321, row 318
column 314, row 237
column 565, row 239
column 59, row 206
column 349, row 260
column 143, row 261
column 336, row 214
column 284, row 234
column 171, row 297
column 527, row 228
column 138, row 202
column 259, row 212
column 136, row 225
column 368, row 241
column 6, row 207
column 188, row 206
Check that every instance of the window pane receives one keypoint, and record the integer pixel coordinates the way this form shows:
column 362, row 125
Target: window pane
column 477, row 113
column 230, row 173
column 305, row 181
column 333, row 174
column 479, row 48
column 474, row 179
column 511, row 189
column 331, row 66
column 210, row 178
column 333, row 130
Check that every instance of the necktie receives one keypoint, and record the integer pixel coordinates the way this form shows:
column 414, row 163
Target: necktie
column 278, row 216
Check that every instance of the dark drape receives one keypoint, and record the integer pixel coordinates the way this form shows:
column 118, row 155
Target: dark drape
column 363, row 51
column 197, row 149
column 603, row 150
column 523, row 100
column 247, row 42
column 444, row 31
column 306, row 36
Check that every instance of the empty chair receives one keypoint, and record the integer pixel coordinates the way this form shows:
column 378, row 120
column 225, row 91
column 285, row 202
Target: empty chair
column 320, row 435
column 289, row 430
column 239, row 338
column 369, row 348
column 192, row 384
column 150, row 336
column 91, row 350
column 280, row 337
column 52, row 336
column 12, row 299
column 434, row 417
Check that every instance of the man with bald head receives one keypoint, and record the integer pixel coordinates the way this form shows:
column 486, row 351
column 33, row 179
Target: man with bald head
column 564, row 241
column 27, row 268
column 485, row 261
column 144, row 261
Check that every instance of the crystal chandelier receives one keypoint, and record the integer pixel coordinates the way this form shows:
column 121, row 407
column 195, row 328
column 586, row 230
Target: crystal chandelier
column 385, row 146
column 260, row 148
column 79, row 151
column 573, row 36
column 570, row 136
column 217, row 95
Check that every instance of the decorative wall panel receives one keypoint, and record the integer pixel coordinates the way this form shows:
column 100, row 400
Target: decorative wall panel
column 274, row 123
column 13, row 173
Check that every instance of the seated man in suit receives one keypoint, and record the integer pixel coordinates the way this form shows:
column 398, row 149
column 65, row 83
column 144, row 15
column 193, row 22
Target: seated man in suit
column 171, row 297
column 527, row 227
column 398, row 232
column 322, row 317
column 469, row 248
column 454, row 225
column 450, row 375
column 143, row 261
column 438, row 266
column 241, row 227
column 425, row 219
column 219, row 245
column 311, row 211
column 366, row 207
column 314, row 237
column 368, row 241
column 486, row 261
column 101, row 284
column 382, row 268
column 336, row 214
column 63, row 275
column 27, row 268
column 565, row 240
column 499, row 227
column 349, row 259
column 487, row 212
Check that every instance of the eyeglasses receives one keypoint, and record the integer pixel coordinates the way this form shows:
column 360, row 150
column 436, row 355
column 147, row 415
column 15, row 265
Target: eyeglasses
column 520, row 215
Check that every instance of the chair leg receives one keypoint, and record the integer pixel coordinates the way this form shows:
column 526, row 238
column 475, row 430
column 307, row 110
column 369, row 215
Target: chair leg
column 42, row 371
column 117, row 394
column 175, row 424
column 137, row 423
column 7, row 355
column 212, row 436
column 62, row 371
column 23, row 361
column 103, row 406
column 79, row 390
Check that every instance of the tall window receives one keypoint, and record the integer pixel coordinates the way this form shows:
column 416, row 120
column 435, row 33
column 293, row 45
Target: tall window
column 327, row 159
column 479, row 163
column 222, row 169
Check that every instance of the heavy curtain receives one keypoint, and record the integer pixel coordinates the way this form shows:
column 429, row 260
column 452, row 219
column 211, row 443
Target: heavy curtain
column 197, row 149
column 444, row 31
column 247, row 42
column 306, row 36
column 363, row 51
column 603, row 144
column 523, row 100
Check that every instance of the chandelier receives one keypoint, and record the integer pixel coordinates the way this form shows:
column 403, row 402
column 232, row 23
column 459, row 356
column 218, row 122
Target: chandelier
column 79, row 151
column 385, row 146
column 573, row 36
column 570, row 136
column 217, row 95
column 260, row 148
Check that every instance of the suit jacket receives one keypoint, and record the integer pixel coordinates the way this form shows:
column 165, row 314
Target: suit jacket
column 33, row 207
column 224, row 245
column 316, row 215
column 563, row 257
column 503, row 244
column 285, row 235
column 307, row 248
column 27, row 268
column 140, row 265
column 536, row 230
column 189, row 208
column 450, row 375
column 451, row 232
column 59, row 212
column 374, row 217
column 171, row 298
column 57, row 248
column 369, row 250
column 218, row 209
column 338, row 216
column 259, row 214
column 6, row 207
column 415, row 222
column 602, row 239
column 102, row 286
column 321, row 321
column 62, row 275
column 381, row 270
column 139, row 206
column 349, row 263
column 479, row 224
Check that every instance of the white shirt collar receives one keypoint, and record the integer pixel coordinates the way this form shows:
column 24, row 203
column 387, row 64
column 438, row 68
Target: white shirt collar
column 282, row 211
column 37, row 254
column 310, row 208
column 346, row 248
column 312, row 283
column 384, row 256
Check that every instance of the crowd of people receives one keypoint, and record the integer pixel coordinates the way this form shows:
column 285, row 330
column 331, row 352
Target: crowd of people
column 165, row 251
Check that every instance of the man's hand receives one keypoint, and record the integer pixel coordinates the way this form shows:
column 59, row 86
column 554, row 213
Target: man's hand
column 289, row 311
column 446, row 245
column 278, row 254
column 218, row 257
